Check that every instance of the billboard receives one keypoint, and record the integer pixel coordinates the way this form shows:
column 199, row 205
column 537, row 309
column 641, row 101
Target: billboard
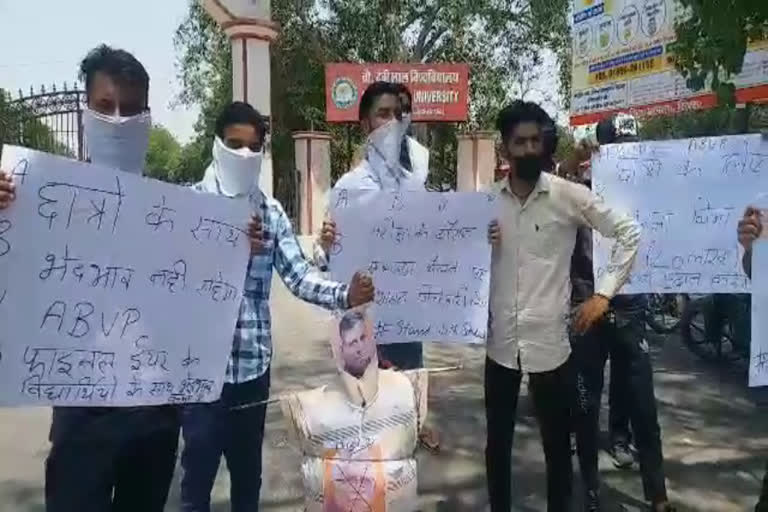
column 440, row 91
column 622, row 62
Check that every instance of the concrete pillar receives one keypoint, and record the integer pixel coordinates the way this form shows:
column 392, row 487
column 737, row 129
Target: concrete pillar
column 250, row 29
column 475, row 161
column 313, row 160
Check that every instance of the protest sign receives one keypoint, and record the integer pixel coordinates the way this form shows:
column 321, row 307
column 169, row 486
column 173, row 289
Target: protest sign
column 758, row 354
column 622, row 62
column 429, row 256
column 116, row 290
column 688, row 195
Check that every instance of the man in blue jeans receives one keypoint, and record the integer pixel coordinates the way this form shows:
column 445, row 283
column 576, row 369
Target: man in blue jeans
column 234, row 425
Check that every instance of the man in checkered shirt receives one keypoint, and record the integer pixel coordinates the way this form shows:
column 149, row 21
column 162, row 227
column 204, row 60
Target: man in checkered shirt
column 234, row 425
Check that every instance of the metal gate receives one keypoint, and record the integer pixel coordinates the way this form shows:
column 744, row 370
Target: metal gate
column 50, row 120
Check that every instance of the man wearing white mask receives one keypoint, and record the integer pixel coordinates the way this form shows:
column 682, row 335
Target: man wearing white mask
column 233, row 426
column 381, row 119
column 103, row 458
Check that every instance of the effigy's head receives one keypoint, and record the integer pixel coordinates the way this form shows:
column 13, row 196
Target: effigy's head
column 353, row 344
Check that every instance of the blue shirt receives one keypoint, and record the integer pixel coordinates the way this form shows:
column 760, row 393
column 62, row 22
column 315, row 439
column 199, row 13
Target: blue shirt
column 252, row 343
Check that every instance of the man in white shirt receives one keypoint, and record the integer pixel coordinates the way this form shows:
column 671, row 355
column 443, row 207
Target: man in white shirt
column 530, row 299
column 382, row 120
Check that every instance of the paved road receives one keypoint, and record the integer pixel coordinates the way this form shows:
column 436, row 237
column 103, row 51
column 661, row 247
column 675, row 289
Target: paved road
column 715, row 440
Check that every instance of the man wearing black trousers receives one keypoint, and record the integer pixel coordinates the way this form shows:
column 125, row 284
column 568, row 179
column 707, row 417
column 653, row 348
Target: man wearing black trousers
column 622, row 335
column 533, row 241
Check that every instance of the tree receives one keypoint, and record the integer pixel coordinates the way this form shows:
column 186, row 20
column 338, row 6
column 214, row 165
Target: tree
column 500, row 39
column 712, row 41
column 163, row 155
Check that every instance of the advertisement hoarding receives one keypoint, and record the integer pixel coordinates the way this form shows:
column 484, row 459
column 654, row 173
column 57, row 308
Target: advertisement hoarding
column 622, row 62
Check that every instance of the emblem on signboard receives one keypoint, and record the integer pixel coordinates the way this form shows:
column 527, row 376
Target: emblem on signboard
column 344, row 93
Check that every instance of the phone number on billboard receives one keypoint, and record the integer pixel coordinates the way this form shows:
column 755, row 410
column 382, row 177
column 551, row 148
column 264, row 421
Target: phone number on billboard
column 626, row 70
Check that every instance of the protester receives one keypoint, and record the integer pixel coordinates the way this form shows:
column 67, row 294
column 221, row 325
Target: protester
column 622, row 335
column 749, row 229
column 234, row 425
column 529, row 304
column 381, row 120
column 105, row 458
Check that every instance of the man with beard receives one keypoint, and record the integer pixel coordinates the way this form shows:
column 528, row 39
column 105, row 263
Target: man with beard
column 109, row 458
column 530, row 298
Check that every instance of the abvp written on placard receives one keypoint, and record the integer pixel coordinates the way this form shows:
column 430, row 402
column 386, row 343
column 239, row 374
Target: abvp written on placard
column 117, row 290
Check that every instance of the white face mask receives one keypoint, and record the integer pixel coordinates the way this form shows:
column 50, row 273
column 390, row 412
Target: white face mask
column 117, row 142
column 383, row 150
column 237, row 170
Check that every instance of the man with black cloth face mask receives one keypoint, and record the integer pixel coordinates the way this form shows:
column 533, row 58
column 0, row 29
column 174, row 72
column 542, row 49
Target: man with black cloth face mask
column 533, row 241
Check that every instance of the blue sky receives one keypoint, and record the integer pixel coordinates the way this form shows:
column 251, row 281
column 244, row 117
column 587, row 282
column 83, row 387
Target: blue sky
column 43, row 41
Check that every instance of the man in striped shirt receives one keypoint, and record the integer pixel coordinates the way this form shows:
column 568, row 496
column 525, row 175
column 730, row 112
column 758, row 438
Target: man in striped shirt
column 234, row 425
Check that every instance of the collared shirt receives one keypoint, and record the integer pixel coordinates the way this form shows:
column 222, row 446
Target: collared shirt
column 252, row 343
column 530, row 284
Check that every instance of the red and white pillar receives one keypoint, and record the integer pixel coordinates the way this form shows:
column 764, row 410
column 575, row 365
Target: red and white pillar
column 313, row 160
column 475, row 161
column 250, row 29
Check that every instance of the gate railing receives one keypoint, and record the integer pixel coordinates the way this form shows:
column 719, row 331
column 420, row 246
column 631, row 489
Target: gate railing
column 49, row 120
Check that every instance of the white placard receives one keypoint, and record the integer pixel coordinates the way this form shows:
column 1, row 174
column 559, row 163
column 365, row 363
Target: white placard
column 688, row 195
column 758, row 358
column 429, row 256
column 116, row 290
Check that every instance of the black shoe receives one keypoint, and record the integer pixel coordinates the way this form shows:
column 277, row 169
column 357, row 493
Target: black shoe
column 592, row 501
column 622, row 456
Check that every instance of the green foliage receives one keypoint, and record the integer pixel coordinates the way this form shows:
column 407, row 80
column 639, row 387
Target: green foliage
column 712, row 40
column 163, row 155
column 204, row 63
column 500, row 39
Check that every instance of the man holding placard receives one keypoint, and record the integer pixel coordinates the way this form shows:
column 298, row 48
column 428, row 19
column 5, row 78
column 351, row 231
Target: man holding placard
column 234, row 425
column 104, row 458
column 530, row 298
column 382, row 120
column 749, row 230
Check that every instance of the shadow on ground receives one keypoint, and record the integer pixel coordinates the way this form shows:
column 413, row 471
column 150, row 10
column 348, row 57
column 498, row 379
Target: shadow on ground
column 715, row 438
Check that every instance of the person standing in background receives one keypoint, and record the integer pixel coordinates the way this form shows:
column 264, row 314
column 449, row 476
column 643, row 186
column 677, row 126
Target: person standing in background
column 622, row 335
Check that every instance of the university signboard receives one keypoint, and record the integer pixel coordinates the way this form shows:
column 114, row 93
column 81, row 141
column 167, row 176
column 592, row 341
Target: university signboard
column 440, row 91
